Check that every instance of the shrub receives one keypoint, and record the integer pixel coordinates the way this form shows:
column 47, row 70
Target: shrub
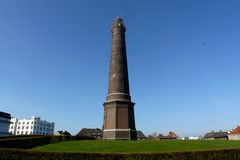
column 16, row 136
column 16, row 154
column 26, row 142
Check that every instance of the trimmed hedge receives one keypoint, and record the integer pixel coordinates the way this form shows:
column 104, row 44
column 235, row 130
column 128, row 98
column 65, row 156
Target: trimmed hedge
column 17, row 136
column 16, row 154
column 27, row 142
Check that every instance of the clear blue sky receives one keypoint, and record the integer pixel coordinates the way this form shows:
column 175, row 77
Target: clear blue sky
column 183, row 57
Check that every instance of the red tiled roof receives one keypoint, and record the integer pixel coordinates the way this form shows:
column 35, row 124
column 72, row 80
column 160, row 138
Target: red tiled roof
column 172, row 135
column 235, row 131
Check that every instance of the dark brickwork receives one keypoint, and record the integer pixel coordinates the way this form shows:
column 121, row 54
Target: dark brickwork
column 119, row 121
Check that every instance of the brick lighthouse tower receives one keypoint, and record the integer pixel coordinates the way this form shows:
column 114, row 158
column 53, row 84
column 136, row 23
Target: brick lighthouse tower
column 119, row 121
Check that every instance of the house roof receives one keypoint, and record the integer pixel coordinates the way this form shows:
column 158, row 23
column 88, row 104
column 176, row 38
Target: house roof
column 171, row 135
column 140, row 134
column 65, row 133
column 58, row 132
column 89, row 132
column 213, row 134
column 235, row 131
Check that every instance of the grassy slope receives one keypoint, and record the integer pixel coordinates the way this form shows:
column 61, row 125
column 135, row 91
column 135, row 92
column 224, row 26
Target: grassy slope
column 136, row 146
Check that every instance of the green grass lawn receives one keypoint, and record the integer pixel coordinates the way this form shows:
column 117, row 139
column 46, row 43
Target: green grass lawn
column 137, row 146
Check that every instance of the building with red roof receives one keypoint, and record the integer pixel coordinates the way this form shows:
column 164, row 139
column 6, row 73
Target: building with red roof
column 171, row 135
column 234, row 134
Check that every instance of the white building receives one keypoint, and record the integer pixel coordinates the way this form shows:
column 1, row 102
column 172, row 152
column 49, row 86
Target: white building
column 4, row 123
column 31, row 126
column 194, row 138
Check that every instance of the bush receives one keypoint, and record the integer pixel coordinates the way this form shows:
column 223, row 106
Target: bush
column 16, row 136
column 16, row 154
column 26, row 142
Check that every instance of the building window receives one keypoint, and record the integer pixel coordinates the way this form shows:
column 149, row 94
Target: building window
column 18, row 127
column 27, row 122
column 22, row 127
column 26, row 132
column 31, row 127
column 32, row 122
column 17, row 132
column 23, row 123
column 22, row 132
column 27, row 127
column 11, row 127
column 19, row 122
